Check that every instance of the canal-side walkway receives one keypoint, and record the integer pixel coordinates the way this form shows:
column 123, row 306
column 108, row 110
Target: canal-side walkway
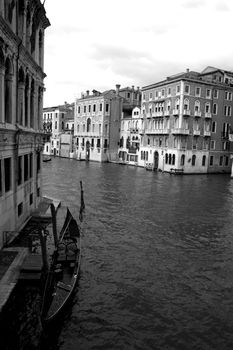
column 19, row 249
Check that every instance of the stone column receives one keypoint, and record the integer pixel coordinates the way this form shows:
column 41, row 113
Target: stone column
column 9, row 100
column 24, row 34
column 32, row 110
column 28, row 104
column 2, row 94
column 21, row 99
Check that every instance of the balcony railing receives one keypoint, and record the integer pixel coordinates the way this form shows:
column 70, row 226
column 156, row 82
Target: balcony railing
column 197, row 114
column 133, row 130
column 180, row 131
column 157, row 131
column 207, row 133
column 208, row 115
column 175, row 111
column 196, row 132
column 167, row 112
column 186, row 112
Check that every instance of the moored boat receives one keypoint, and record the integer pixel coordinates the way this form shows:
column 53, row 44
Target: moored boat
column 64, row 270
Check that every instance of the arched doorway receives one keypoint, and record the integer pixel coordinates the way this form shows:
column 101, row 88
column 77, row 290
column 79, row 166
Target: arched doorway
column 87, row 150
column 156, row 160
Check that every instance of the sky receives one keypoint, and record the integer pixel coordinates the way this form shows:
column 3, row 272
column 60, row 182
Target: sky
column 97, row 44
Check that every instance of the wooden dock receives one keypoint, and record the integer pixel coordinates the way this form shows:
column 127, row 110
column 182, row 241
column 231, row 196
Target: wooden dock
column 31, row 268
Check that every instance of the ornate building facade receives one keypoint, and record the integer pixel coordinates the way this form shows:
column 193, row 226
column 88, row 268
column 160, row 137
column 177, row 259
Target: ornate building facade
column 97, row 122
column 187, row 120
column 22, row 26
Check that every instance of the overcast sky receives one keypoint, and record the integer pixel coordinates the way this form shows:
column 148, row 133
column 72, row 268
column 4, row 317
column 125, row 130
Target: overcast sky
column 97, row 44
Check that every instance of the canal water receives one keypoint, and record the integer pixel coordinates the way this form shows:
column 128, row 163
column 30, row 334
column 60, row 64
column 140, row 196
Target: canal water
column 157, row 259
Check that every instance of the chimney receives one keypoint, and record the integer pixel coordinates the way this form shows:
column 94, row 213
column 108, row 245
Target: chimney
column 133, row 87
column 82, row 95
column 117, row 89
column 87, row 93
column 187, row 70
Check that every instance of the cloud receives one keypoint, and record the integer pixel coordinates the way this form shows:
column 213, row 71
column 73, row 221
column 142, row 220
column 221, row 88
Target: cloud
column 222, row 6
column 192, row 4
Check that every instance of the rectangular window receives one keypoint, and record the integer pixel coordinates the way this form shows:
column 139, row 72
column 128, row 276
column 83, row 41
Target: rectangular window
column 208, row 93
column 212, row 144
column 25, row 167
column 213, row 127
column 228, row 95
column 207, row 108
column 221, row 160
column 215, row 93
column 226, row 161
column 78, row 109
column 150, row 95
column 7, row 171
column 215, row 108
column 178, row 89
column 30, row 165
column 85, row 109
column 186, row 89
column 38, row 191
column 163, row 92
column 227, row 111
column 92, row 143
column 156, row 94
column 211, row 160
column 169, row 91
column 100, row 107
column 89, row 108
column 107, row 107
column 20, row 209
column 197, row 91
column 98, row 143
column 31, row 198
column 20, row 170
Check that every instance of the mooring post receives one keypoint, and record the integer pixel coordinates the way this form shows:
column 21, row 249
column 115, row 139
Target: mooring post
column 54, row 221
column 44, row 250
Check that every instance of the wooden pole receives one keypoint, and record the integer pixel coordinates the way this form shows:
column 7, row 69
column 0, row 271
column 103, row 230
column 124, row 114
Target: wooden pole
column 53, row 213
column 44, row 250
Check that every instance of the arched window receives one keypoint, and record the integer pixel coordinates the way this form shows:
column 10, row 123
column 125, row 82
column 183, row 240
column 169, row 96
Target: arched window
column 26, row 99
column 197, row 106
column 83, row 127
column 170, row 159
column 146, row 155
column 32, row 101
column 62, row 125
column 177, row 103
column 186, row 104
column 173, row 159
column 166, row 158
column 193, row 160
column 8, row 90
column 182, row 160
column 203, row 160
column 88, row 124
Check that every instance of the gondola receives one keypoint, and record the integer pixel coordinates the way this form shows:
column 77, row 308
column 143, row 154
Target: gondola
column 64, row 270
column 47, row 159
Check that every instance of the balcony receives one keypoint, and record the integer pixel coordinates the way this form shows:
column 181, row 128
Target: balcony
column 157, row 114
column 225, row 135
column 208, row 115
column 196, row 132
column 157, row 131
column 186, row 112
column 197, row 114
column 231, row 137
column 175, row 111
column 180, row 131
column 167, row 113
column 133, row 130
column 207, row 133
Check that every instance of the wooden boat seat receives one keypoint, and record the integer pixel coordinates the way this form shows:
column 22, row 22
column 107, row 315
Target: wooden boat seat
column 64, row 286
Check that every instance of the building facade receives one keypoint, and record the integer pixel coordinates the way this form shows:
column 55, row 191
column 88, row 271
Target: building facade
column 57, row 121
column 187, row 121
column 22, row 27
column 130, row 137
column 97, row 122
